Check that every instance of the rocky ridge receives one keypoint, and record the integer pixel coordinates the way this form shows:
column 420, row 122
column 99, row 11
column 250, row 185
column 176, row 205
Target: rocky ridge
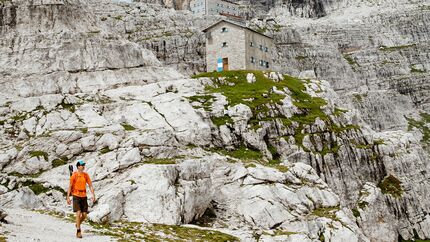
column 284, row 161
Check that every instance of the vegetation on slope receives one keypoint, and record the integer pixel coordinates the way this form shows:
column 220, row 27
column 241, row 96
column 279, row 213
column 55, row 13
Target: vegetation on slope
column 266, row 104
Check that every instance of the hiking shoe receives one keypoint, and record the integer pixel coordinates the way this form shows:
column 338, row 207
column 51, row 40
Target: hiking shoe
column 78, row 233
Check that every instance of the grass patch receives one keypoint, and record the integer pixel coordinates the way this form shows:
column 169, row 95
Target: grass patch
column 414, row 69
column 358, row 98
column 391, row 185
column 261, row 100
column 261, row 30
column 133, row 231
column 395, row 48
column 163, row 161
column 243, row 153
column 362, row 204
column 329, row 149
column 379, row 142
column 355, row 212
column 38, row 154
column 351, row 61
column 58, row 162
column 68, row 106
column 128, row 127
column 266, row 105
column 339, row 111
column 301, row 58
column 205, row 100
column 423, row 126
column 218, row 121
column 19, row 117
column 328, row 212
column 277, row 165
column 105, row 150
column 38, row 188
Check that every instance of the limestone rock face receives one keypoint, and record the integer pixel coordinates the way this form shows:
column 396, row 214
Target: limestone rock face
column 95, row 80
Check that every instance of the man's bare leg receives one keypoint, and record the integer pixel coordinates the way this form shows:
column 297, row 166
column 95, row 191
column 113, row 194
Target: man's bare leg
column 83, row 217
column 78, row 219
column 78, row 224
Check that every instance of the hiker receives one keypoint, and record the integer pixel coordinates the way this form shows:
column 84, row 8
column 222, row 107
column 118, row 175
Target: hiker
column 77, row 187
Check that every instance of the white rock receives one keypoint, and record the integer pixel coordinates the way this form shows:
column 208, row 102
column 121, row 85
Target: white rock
column 250, row 78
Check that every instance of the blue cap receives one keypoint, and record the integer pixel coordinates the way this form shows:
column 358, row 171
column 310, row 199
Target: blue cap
column 80, row 163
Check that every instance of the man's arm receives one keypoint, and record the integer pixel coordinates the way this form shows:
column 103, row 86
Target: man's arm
column 69, row 190
column 92, row 192
column 90, row 184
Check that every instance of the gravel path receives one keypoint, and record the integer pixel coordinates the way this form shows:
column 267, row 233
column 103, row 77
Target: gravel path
column 27, row 226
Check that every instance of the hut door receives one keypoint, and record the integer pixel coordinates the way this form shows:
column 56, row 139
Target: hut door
column 225, row 64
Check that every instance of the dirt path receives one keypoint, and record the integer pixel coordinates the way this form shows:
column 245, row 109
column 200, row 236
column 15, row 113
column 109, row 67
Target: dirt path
column 27, row 226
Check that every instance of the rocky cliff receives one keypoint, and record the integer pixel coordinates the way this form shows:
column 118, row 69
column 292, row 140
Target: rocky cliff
column 261, row 156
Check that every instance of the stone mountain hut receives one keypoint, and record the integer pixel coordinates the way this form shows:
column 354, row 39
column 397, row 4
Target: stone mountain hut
column 231, row 46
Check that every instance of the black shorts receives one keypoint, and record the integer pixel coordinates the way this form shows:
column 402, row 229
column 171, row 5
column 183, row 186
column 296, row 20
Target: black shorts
column 80, row 204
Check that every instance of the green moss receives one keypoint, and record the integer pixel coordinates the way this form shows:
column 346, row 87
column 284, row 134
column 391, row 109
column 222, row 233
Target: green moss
column 339, row 111
column 245, row 153
column 2, row 122
column 261, row 30
column 391, row 185
column 84, row 130
column 184, row 233
column 358, row 98
column 355, row 212
column 129, row 231
column 301, row 58
column 327, row 149
column 328, row 212
column 385, row 62
column 17, row 174
column 128, row 127
column 395, row 48
column 338, row 129
column 37, row 188
column 379, row 142
column 19, row 117
column 277, row 165
column 218, row 121
column 414, row 69
column 423, row 126
column 163, row 161
column 363, row 146
column 58, row 162
column 66, row 217
column 205, row 100
column 279, row 232
column 68, row 106
column 350, row 60
column 119, row 17
column 321, row 237
column 38, row 154
column 362, row 204
column 105, row 150
column 265, row 104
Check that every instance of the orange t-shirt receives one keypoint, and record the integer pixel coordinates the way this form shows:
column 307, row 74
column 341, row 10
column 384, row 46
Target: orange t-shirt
column 78, row 182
